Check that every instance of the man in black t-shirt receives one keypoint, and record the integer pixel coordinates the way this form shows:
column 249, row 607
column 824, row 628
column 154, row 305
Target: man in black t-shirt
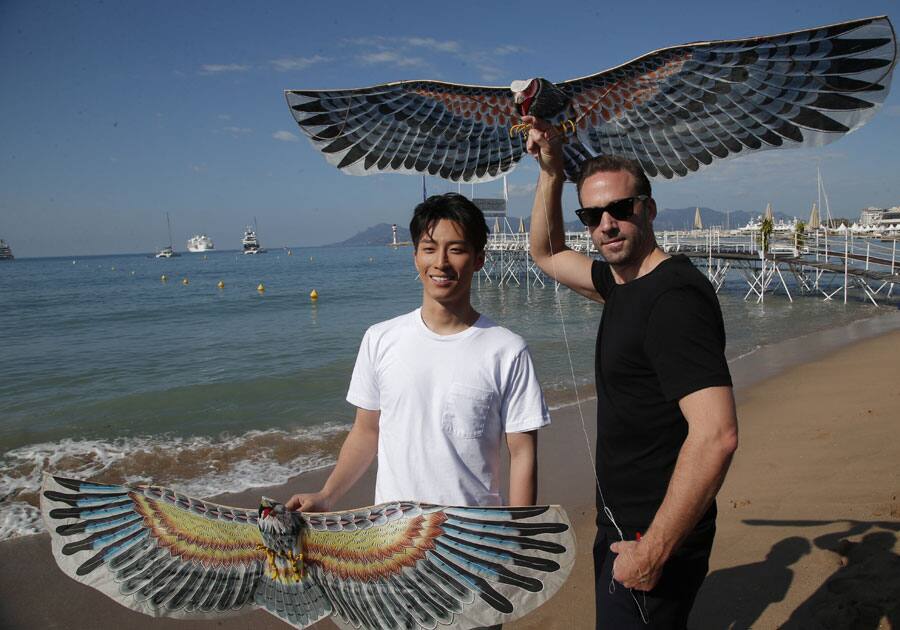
column 666, row 425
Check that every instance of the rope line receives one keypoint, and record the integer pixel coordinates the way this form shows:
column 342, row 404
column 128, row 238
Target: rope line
column 587, row 441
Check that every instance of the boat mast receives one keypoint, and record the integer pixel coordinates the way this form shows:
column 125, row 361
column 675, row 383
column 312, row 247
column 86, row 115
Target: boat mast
column 169, row 226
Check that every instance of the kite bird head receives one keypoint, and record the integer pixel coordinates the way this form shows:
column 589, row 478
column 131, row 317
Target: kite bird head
column 524, row 93
column 538, row 97
column 278, row 526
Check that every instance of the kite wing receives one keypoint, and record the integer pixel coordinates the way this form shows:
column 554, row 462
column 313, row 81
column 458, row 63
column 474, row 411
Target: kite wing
column 395, row 565
column 679, row 109
column 165, row 554
column 457, row 132
column 413, row 565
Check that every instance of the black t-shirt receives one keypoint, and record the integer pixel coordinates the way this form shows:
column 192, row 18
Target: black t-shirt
column 661, row 338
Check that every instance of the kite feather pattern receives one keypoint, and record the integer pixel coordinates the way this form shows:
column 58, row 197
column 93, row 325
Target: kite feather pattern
column 395, row 565
column 675, row 110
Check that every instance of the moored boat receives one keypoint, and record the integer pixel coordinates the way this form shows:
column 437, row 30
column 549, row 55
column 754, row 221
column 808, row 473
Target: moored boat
column 250, row 242
column 200, row 243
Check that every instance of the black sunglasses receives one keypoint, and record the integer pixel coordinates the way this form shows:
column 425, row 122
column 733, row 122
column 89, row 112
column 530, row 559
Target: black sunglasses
column 618, row 210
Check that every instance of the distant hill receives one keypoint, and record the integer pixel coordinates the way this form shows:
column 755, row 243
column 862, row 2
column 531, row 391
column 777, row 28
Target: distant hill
column 376, row 235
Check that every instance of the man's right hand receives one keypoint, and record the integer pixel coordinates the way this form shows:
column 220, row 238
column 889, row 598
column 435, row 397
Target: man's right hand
column 545, row 145
column 311, row 502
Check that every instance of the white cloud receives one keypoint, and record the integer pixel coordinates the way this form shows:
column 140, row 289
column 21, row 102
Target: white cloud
column 238, row 131
column 285, row 64
column 224, row 117
column 198, row 168
column 432, row 44
column 490, row 72
column 219, row 68
column 508, row 49
column 392, row 58
column 285, row 136
column 521, row 190
column 398, row 51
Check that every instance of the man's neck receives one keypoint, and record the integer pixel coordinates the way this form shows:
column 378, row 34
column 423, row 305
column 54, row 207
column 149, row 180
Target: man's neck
column 448, row 319
column 649, row 262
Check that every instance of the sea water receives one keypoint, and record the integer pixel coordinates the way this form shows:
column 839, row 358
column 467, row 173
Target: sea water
column 111, row 372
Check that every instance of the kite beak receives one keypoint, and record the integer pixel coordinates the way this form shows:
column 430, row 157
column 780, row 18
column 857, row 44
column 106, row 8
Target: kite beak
column 523, row 94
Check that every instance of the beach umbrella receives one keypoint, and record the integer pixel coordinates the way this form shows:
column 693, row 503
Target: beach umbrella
column 768, row 214
column 698, row 222
column 521, row 225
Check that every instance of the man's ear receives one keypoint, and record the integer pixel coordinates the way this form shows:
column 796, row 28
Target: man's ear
column 651, row 205
column 479, row 261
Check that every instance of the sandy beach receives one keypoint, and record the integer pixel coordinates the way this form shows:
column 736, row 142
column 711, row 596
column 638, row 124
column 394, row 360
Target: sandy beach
column 808, row 516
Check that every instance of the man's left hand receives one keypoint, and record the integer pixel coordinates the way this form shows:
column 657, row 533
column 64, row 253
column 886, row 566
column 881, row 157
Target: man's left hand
column 635, row 565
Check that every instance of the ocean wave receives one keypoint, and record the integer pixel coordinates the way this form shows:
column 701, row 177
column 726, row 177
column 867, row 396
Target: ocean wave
column 199, row 466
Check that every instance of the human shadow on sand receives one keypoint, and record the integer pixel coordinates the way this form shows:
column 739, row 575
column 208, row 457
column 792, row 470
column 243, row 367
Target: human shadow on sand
column 737, row 596
column 863, row 590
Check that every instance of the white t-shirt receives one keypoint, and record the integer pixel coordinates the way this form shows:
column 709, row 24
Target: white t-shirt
column 445, row 402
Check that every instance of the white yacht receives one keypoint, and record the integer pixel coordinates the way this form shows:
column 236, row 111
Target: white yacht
column 200, row 243
column 5, row 251
column 250, row 243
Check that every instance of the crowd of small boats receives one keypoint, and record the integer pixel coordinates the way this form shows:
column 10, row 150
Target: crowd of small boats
column 200, row 243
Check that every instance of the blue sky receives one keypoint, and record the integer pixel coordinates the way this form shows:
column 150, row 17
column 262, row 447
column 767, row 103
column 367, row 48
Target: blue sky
column 114, row 113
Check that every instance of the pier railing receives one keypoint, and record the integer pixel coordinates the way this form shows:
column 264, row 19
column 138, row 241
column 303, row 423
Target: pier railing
column 814, row 262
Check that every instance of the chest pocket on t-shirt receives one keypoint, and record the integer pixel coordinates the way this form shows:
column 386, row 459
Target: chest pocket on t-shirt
column 466, row 410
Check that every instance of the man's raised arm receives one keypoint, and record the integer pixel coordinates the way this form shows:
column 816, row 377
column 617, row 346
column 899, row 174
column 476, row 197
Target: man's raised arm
column 548, row 231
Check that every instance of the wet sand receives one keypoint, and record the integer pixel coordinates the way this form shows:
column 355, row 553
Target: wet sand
column 808, row 526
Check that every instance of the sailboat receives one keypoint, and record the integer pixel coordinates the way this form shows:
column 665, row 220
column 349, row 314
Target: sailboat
column 167, row 252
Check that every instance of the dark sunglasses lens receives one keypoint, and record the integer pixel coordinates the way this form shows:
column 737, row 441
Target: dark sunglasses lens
column 621, row 209
column 590, row 216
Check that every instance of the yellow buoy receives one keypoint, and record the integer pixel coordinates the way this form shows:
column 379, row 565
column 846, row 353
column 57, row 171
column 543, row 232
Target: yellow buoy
column 112, row 268
column 185, row 282
column 164, row 277
column 313, row 295
column 261, row 288
column 221, row 285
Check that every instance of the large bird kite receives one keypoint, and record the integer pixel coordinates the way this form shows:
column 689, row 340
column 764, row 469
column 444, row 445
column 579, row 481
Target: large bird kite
column 391, row 566
column 675, row 110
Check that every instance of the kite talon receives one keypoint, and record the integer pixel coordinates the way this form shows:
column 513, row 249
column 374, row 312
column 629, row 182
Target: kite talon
column 521, row 128
column 567, row 127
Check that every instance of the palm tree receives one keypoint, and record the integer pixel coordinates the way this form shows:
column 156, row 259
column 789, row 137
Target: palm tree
column 765, row 233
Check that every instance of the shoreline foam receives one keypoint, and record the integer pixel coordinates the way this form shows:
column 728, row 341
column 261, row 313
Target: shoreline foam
column 248, row 470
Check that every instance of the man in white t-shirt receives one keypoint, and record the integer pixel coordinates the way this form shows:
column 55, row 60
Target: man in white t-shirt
column 436, row 390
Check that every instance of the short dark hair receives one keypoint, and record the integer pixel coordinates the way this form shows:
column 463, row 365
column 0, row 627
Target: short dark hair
column 613, row 163
column 453, row 207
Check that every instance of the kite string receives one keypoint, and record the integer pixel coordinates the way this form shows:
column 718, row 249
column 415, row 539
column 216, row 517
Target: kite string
column 606, row 510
